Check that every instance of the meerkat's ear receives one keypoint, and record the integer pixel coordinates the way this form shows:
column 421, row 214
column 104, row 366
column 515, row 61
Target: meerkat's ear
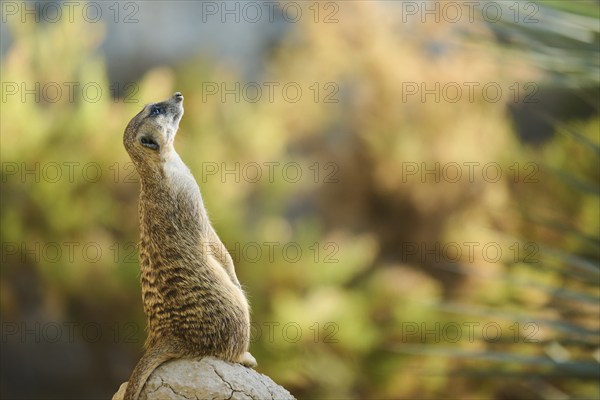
column 148, row 141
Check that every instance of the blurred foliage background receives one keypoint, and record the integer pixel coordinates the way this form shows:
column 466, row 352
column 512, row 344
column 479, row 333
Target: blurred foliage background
column 386, row 299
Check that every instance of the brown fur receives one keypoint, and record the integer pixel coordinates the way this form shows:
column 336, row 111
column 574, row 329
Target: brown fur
column 192, row 299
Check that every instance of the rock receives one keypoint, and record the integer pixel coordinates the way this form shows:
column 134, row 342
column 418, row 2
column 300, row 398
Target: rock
column 208, row 378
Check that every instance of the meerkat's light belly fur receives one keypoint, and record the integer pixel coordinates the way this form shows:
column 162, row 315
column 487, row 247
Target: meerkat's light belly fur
column 194, row 279
column 181, row 180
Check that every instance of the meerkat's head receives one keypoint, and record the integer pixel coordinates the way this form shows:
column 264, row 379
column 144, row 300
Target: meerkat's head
column 149, row 135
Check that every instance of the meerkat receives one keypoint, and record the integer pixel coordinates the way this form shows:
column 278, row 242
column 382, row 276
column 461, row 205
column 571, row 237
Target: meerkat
column 193, row 301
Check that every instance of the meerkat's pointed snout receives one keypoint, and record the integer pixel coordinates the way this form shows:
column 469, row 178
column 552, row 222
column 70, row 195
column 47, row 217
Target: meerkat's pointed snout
column 177, row 101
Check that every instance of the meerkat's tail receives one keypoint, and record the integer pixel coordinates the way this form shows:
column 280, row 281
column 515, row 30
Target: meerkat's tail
column 153, row 357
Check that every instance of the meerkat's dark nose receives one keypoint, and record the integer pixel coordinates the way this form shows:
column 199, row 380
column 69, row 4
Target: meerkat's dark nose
column 178, row 96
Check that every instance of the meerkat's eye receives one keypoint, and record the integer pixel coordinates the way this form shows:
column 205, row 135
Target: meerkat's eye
column 156, row 110
column 147, row 141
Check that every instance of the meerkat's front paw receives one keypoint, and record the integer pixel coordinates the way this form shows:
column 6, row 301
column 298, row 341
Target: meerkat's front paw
column 248, row 360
